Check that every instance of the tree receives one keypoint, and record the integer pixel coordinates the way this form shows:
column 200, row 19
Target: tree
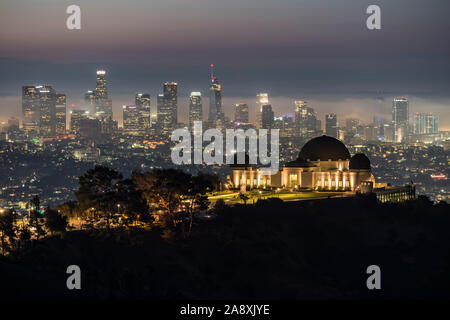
column 54, row 221
column 99, row 190
column 243, row 197
column 7, row 229
column 220, row 207
column 163, row 189
column 131, row 204
column 36, row 216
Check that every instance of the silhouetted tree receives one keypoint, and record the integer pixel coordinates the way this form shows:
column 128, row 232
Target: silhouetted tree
column 54, row 221
column 132, row 205
column 99, row 190
column 36, row 216
column 163, row 189
column 7, row 229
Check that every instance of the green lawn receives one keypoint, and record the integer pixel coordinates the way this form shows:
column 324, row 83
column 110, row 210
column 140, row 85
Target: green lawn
column 285, row 196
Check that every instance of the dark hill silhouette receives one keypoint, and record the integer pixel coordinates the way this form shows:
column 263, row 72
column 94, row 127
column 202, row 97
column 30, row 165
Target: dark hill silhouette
column 273, row 250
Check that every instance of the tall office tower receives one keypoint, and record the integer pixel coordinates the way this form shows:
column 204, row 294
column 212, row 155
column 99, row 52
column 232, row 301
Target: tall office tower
column 160, row 101
column 13, row 124
column 60, row 114
column 131, row 120
column 431, row 123
column 109, row 126
column 331, row 125
column 305, row 119
column 30, row 109
column 371, row 132
column 267, row 116
column 425, row 123
column 142, row 102
column 39, row 110
column 75, row 118
column 319, row 125
column 47, row 106
column 241, row 113
column 400, row 118
column 215, row 116
column 195, row 108
column 168, row 107
column 89, row 100
column 419, row 123
column 261, row 100
column 103, row 105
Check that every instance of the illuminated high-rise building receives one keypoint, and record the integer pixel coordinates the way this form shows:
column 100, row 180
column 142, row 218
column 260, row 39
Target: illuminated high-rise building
column 60, row 114
column 89, row 100
column 400, row 118
column 47, row 117
column 425, row 123
column 76, row 116
column 39, row 110
column 215, row 116
column 195, row 108
column 13, row 124
column 267, row 116
column 131, row 120
column 167, row 104
column 261, row 100
column 103, row 105
column 30, row 109
column 331, row 125
column 241, row 113
column 305, row 119
column 142, row 102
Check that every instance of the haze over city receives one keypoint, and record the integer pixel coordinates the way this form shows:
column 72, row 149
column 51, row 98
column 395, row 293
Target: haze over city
column 282, row 47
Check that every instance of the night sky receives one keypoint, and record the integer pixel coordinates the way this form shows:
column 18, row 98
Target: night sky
column 316, row 50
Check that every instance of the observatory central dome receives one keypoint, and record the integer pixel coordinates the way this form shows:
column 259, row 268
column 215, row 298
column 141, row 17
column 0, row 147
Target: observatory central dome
column 324, row 148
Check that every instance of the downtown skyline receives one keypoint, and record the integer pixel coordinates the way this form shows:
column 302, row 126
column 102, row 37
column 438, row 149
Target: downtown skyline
column 334, row 62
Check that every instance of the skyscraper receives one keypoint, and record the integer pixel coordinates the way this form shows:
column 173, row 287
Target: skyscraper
column 89, row 100
column 261, row 100
column 47, row 117
column 60, row 114
column 305, row 119
column 103, row 105
column 30, row 109
column 331, row 125
column 131, row 120
column 400, row 118
column 39, row 110
column 195, row 108
column 267, row 117
column 241, row 113
column 215, row 116
column 168, row 107
column 425, row 123
column 76, row 116
column 142, row 101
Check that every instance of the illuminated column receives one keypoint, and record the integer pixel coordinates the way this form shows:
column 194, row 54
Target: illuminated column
column 336, row 180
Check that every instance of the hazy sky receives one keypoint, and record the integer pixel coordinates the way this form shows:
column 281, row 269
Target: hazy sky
column 317, row 50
